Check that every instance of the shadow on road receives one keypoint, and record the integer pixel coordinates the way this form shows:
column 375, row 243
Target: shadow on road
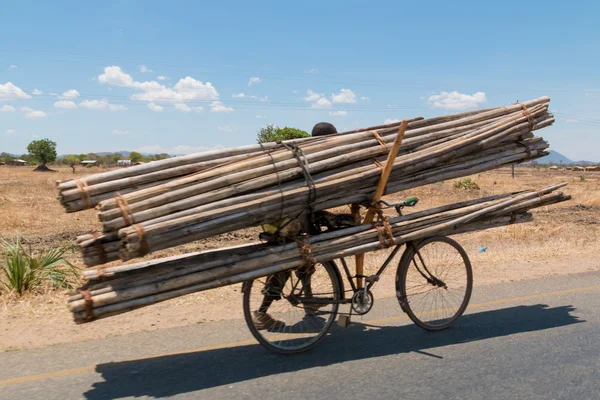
column 183, row 373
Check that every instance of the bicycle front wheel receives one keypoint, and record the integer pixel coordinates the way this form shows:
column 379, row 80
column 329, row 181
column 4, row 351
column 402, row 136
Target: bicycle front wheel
column 434, row 282
column 291, row 311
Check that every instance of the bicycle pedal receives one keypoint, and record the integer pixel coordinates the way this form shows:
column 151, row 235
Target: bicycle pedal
column 372, row 278
column 343, row 321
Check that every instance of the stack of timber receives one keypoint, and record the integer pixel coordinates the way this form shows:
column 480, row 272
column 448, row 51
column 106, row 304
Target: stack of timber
column 183, row 199
column 115, row 290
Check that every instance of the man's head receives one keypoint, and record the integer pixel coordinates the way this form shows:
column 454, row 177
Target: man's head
column 323, row 129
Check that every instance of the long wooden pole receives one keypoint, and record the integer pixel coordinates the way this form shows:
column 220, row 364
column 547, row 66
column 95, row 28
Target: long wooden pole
column 385, row 174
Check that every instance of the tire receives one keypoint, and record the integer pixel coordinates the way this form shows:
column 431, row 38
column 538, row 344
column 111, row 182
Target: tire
column 428, row 304
column 304, row 324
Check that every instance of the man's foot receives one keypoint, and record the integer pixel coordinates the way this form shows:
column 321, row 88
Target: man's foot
column 263, row 321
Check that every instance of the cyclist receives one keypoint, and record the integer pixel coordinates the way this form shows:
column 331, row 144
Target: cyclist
column 275, row 283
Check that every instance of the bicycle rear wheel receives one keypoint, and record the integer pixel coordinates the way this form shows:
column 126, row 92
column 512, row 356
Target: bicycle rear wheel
column 434, row 282
column 291, row 311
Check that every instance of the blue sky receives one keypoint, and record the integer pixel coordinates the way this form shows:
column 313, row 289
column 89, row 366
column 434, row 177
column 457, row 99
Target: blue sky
column 183, row 76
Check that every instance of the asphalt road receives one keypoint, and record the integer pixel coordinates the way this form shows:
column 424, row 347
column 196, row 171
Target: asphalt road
column 537, row 339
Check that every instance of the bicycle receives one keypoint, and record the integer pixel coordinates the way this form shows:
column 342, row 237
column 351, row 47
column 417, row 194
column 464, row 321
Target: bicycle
column 433, row 274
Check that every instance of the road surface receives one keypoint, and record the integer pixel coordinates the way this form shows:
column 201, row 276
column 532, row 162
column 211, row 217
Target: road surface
column 536, row 339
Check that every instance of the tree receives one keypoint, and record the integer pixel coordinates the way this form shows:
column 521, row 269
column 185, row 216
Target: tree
column 43, row 151
column 114, row 158
column 135, row 157
column 6, row 157
column 71, row 160
column 272, row 133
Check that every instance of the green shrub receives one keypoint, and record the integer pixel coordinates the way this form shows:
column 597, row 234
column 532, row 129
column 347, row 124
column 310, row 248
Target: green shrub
column 466, row 184
column 272, row 133
column 23, row 271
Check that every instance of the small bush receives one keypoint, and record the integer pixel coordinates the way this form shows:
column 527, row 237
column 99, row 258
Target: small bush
column 581, row 177
column 23, row 271
column 466, row 184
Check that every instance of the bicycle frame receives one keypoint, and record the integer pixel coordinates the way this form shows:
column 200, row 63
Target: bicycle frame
column 370, row 280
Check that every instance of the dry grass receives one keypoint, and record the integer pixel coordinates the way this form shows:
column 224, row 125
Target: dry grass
column 29, row 208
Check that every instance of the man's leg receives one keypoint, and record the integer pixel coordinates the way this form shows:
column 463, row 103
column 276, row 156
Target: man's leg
column 271, row 291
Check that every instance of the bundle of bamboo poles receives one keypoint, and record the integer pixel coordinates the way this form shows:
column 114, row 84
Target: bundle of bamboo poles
column 114, row 290
column 238, row 188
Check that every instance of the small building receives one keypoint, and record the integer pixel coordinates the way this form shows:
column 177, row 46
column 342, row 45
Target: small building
column 17, row 162
column 139, row 163
column 577, row 168
column 593, row 168
column 554, row 168
column 124, row 162
column 89, row 162
column 569, row 168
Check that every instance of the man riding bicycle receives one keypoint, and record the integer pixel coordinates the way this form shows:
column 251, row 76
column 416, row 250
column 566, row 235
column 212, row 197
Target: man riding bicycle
column 279, row 230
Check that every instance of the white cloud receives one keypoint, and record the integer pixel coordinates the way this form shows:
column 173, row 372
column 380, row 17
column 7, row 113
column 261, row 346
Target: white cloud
column 455, row 100
column 252, row 97
column 312, row 96
column 155, row 108
column 198, row 108
column 101, row 105
column 119, row 132
column 345, row 96
column 264, row 99
column 196, row 90
column 312, row 71
column 7, row 108
column 12, row 66
column 182, row 107
column 338, row 113
column 53, row 94
column 217, row 106
column 115, row 76
column 186, row 89
column 260, row 116
column 321, row 103
column 65, row 104
column 571, row 120
column 35, row 114
column 69, row 94
column 365, row 98
column 390, row 121
column 238, row 95
column 10, row 91
column 26, row 109
column 295, row 91
column 144, row 69
column 162, row 78
column 37, row 92
column 225, row 128
column 35, row 136
column 11, row 132
column 253, row 80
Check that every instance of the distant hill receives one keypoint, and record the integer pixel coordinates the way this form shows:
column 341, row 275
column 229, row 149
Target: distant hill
column 555, row 158
column 124, row 153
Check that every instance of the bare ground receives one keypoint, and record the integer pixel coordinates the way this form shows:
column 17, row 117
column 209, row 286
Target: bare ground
column 562, row 239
